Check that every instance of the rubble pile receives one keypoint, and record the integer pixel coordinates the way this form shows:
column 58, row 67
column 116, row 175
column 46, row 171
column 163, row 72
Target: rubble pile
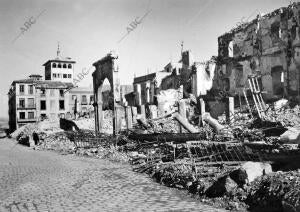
column 279, row 191
column 84, row 123
column 165, row 125
column 287, row 116
column 89, row 123
column 217, row 175
column 111, row 153
column 57, row 142
column 47, row 127
column 220, row 166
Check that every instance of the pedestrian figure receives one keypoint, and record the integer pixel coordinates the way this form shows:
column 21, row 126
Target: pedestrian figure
column 35, row 138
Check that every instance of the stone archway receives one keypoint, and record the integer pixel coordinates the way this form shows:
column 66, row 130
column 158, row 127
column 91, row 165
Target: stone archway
column 106, row 68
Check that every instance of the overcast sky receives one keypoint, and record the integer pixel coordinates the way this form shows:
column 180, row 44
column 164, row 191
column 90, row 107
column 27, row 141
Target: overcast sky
column 87, row 30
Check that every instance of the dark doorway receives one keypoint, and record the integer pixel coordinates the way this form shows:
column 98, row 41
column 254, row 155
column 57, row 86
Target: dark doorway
column 277, row 85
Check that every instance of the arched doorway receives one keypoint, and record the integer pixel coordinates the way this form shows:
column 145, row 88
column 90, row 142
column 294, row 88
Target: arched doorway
column 106, row 69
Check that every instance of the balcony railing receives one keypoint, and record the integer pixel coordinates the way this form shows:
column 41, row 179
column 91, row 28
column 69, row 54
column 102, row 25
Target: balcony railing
column 26, row 106
column 27, row 119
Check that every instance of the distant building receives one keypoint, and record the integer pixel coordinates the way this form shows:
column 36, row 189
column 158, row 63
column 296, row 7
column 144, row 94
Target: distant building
column 33, row 99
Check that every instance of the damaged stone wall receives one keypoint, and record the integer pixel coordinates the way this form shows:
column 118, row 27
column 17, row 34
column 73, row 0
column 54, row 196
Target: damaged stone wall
column 195, row 78
column 268, row 47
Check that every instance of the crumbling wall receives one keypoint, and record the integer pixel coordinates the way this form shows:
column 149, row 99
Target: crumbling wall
column 268, row 46
column 204, row 74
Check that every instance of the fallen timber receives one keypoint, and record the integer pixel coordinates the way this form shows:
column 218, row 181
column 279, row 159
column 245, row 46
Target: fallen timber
column 167, row 137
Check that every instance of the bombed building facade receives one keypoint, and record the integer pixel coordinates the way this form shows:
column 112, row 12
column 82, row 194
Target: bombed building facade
column 186, row 76
column 268, row 47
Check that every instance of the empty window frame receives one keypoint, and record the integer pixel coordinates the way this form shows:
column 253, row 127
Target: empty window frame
column 43, row 104
column 61, row 104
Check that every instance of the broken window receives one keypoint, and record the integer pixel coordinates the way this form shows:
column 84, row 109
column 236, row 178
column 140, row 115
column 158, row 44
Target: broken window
column 275, row 29
column 239, row 76
column 276, row 80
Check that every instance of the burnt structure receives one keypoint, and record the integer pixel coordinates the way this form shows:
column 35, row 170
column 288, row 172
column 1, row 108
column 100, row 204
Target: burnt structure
column 269, row 47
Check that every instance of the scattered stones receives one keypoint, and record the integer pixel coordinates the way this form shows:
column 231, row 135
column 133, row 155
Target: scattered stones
column 275, row 192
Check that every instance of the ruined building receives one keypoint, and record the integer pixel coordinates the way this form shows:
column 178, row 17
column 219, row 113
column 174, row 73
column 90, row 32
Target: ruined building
column 269, row 47
column 194, row 77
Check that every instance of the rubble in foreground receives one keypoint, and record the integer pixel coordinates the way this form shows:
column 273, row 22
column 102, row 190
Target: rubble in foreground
column 237, row 170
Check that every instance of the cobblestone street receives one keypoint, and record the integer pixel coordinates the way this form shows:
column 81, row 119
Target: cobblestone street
column 46, row 181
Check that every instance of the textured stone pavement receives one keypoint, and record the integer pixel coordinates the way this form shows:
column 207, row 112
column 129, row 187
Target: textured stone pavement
column 45, row 181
